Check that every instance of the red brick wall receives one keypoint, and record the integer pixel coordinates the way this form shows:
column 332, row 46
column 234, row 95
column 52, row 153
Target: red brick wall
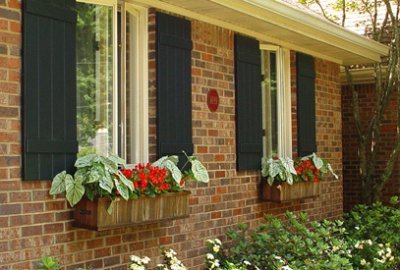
column 350, row 146
column 33, row 224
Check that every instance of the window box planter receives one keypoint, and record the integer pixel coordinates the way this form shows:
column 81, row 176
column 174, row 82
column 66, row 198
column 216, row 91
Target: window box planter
column 93, row 214
column 284, row 192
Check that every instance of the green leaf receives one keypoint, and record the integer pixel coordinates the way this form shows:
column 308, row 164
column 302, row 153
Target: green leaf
column 58, row 184
column 106, row 182
column 96, row 173
column 270, row 180
column 123, row 191
column 332, row 172
column 174, row 159
column 199, row 171
column 110, row 208
column 128, row 183
column 75, row 190
column 288, row 164
column 109, row 165
column 117, row 160
column 318, row 162
column 85, row 161
column 82, row 175
column 159, row 163
column 174, row 170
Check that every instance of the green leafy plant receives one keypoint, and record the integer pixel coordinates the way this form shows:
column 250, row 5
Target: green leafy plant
column 48, row 263
column 297, row 243
column 308, row 168
column 375, row 231
column 99, row 176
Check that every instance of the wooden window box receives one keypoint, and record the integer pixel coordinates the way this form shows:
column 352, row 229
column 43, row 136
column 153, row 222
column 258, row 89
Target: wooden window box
column 284, row 192
column 93, row 214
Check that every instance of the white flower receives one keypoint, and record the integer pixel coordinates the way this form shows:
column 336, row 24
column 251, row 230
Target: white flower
column 369, row 242
column 286, row 267
column 363, row 262
column 246, row 262
column 216, row 248
column 359, row 245
column 137, row 267
column 335, row 248
column 135, row 258
column 216, row 240
column 170, row 253
column 209, row 256
column 145, row 260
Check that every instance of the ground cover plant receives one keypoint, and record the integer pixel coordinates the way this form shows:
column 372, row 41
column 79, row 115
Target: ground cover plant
column 367, row 238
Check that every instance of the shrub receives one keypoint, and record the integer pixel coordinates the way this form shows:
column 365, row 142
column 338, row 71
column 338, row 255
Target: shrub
column 295, row 244
column 374, row 231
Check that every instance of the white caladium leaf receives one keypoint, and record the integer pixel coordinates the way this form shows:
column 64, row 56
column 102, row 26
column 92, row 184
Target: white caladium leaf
column 74, row 190
column 82, row 175
column 318, row 162
column 174, row 159
column 289, row 178
column 264, row 167
column 58, row 184
column 174, row 170
column 288, row 164
column 106, row 183
column 117, row 160
column 274, row 169
column 123, row 191
column 110, row 208
column 270, row 180
column 109, row 165
column 160, row 162
column 96, row 173
column 199, row 171
column 85, row 161
column 128, row 183
column 332, row 172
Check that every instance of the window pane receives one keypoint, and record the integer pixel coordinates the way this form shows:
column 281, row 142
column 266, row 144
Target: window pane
column 270, row 104
column 95, row 78
column 131, row 48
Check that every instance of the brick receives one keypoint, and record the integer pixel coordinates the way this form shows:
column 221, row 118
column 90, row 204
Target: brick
column 9, row 161
column 21, row 196
column 111, row 261
column 32, row 230
column 10, row 209
column 43, row 217
column 3, row 49
column 20, row 220
column 53, row 228
column 8, row 112
column 9, row 14
column 33, row 207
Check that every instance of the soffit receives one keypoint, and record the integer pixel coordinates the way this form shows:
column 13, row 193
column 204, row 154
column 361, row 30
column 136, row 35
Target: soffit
column 275, row 22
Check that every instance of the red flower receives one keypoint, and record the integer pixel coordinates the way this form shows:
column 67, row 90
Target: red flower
column 127, row 173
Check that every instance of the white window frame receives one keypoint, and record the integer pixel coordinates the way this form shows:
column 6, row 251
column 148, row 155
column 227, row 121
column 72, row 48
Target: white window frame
column 139, row 150
column 139, row 90
column 284, row 104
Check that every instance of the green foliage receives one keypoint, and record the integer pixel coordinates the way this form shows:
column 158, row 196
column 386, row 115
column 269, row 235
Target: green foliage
column 48, row 263
column 306, row 168
column 297, row 243
column 95, row 176
column 375, row 228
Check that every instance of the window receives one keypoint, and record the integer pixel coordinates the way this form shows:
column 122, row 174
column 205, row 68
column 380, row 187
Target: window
column 111, row 88
column 276, row 95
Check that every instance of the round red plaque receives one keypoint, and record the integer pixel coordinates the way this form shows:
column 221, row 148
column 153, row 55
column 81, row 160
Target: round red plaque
column 212, row 100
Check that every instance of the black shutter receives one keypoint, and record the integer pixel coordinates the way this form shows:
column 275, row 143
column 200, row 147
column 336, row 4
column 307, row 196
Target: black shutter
column 305, row 105
column 174, row 100
column 248, row 103
column 49, row 88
